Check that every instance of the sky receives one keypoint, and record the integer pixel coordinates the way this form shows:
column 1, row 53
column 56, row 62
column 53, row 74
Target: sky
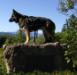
column 41, row 8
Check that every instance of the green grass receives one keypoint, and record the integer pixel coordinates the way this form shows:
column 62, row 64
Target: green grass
column 3, row 70
column 45, row 73
column 2, row 66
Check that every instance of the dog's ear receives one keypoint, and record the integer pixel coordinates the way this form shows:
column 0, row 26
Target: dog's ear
column 14, row 11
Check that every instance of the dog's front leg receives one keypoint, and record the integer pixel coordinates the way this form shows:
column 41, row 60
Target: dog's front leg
column 27, row 33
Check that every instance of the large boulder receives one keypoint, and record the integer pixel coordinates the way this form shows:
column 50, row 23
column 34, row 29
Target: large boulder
column 27, row 58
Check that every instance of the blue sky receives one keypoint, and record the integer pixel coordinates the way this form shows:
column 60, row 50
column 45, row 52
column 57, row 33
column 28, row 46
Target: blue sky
column 44, row 8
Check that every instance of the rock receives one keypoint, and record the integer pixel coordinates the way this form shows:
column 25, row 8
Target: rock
column 27, row 58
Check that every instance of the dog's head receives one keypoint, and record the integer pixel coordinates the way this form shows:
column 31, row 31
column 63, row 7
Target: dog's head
column 14, row 16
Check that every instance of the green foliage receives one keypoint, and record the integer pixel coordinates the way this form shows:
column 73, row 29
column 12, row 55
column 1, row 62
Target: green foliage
column 2, row 40
column 61, row 37
column 66, row 5
column 2, row 66
column 70, row 23
column 62, row 6
column 7, row 39
column 20, row 36
column 70, row 4
column 13, row 39
column 69, row 36
column 39, row 40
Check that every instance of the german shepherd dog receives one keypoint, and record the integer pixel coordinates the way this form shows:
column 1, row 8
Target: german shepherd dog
column 30, row 23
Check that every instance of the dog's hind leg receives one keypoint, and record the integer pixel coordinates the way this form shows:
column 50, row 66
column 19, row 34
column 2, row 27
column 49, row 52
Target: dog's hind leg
column 45, row 35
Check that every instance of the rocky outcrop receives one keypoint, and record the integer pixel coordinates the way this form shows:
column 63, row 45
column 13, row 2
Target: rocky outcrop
column 27, row 58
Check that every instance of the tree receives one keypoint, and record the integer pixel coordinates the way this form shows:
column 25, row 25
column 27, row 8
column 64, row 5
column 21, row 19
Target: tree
column 70, row 23
column 69, row 36
column 68, row 5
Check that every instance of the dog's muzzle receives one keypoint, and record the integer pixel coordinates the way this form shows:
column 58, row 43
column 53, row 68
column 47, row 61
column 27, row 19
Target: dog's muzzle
column 11, row 20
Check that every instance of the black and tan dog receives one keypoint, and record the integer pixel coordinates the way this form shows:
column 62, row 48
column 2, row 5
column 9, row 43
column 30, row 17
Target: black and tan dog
column 30, row 23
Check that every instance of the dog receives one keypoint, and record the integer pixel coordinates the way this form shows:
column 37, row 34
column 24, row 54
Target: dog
column 28, row 24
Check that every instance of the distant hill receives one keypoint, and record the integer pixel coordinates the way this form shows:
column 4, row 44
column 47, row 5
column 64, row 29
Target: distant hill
column 7, row 33
column 13, row 33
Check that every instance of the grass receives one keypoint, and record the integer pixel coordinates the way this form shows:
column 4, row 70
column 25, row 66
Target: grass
column 2, row 66
column 3, row 70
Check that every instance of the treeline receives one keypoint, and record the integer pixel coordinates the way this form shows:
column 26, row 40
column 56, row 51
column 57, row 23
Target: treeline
column 18, row 37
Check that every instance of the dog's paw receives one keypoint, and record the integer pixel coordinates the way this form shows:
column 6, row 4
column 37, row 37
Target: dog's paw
column 26, row 43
